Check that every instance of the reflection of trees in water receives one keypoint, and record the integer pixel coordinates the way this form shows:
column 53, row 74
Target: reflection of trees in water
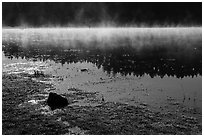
column 171, row 61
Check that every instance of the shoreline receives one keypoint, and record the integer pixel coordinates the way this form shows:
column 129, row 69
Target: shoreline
column 26, row 99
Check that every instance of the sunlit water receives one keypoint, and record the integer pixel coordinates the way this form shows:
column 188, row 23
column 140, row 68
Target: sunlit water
column 164, row 76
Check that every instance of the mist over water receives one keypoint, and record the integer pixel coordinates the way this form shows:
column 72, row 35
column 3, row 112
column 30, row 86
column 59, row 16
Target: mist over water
column 153, row 51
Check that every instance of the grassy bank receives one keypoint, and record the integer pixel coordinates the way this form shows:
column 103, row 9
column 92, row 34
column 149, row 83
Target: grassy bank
column 24, row 111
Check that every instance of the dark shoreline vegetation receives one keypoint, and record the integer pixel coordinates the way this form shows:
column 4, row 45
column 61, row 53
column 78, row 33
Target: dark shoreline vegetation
column 151, row 64
column 22, row 115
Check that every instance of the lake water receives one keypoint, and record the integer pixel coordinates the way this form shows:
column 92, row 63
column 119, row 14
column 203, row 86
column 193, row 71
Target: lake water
column 161, row 69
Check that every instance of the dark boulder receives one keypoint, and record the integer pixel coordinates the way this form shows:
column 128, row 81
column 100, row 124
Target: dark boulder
column 56, row 101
